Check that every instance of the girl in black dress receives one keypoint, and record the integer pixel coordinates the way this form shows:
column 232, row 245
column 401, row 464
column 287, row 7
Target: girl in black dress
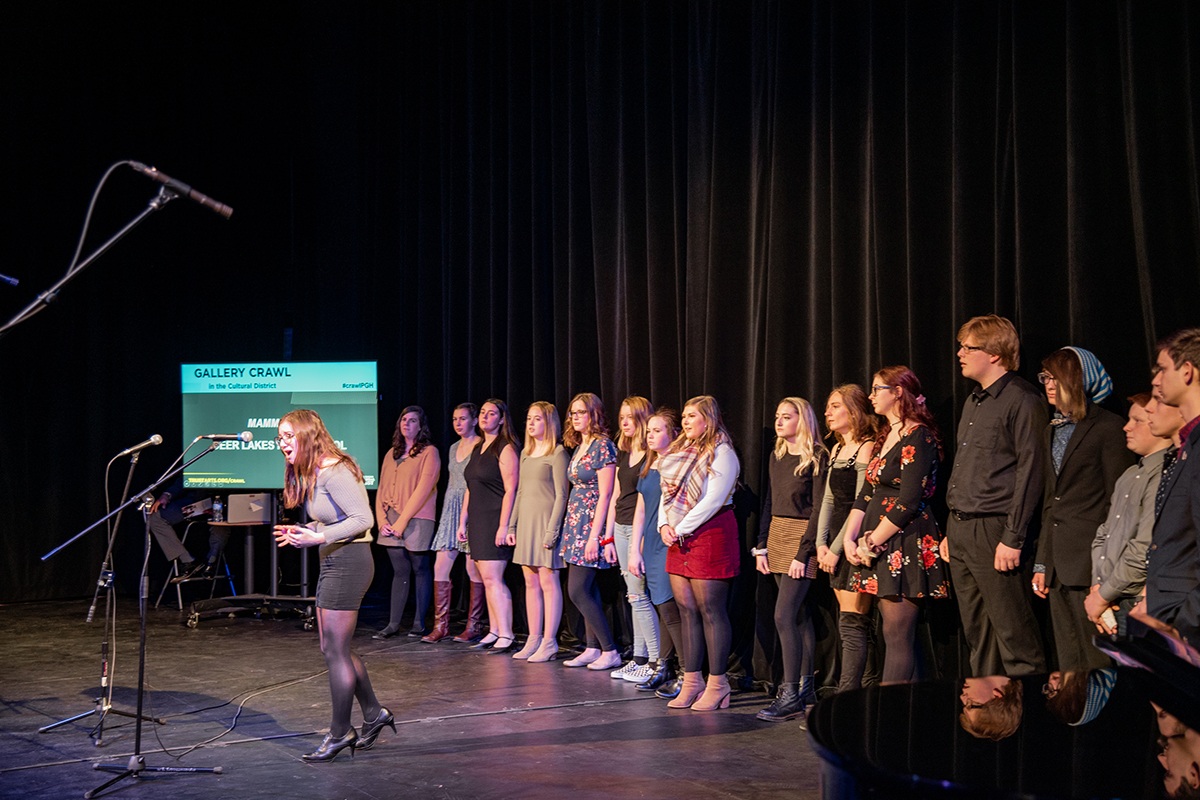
column 491, row 476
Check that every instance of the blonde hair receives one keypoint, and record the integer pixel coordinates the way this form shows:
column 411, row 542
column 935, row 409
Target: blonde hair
column 996, row 336
column 642, row 411
column 807, row 435
column 553, row 427
column 313, row 446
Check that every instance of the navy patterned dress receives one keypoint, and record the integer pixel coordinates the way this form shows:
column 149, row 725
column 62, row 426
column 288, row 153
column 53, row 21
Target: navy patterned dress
column 584, row 474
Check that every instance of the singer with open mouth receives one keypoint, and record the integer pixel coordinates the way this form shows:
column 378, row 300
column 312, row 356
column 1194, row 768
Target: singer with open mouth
column 329, row 483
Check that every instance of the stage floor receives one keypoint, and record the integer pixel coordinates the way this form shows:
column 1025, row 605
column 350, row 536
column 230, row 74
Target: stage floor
column 250, row 696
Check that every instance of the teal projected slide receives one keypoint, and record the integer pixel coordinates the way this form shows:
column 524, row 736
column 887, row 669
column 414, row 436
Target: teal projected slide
column 231, row 398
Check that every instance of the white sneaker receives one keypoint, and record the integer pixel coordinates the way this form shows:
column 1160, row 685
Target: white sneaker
column 640, row 673
column 618, row 674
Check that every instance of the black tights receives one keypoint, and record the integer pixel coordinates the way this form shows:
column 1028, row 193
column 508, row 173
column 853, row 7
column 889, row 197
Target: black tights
column 704, row 618
column 668, row 629
column 348, row 677
column 900, row 635
column 582, row 589
column 795, row 627
column 404, row 561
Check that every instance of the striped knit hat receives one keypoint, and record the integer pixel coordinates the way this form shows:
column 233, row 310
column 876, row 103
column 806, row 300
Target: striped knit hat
column 1096, row 382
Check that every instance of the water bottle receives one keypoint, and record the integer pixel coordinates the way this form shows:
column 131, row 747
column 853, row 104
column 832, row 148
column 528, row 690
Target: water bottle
column 218, row 509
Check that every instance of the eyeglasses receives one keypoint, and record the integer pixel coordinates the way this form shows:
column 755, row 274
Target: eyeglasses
column 577, row 413
column 880, row 387
column 1046, row 377
column 1049, row 691
column 970, row 348
column 285, row 437
column 973, row 706
column 1164, row 741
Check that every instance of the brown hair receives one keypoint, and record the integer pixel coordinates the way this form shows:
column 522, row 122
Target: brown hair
column 996, row 336
column 505, row 434
column 999, row 717
column 597, row 422
column 1141, row 399
column 669, row 416
column 1181, row 346
column 313, row 446
column 423, row 439
column 1069, row 396
column 1068, row 704
column 864, row 422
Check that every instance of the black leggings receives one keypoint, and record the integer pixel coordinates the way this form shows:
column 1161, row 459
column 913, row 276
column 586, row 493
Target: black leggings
column 582, row 589
column 419, row 562
column 704, row 618
column 795, row 627
column 668, row 629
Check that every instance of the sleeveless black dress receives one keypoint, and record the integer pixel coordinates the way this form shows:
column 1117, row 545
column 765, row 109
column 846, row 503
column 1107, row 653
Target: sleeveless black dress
column 486, row 487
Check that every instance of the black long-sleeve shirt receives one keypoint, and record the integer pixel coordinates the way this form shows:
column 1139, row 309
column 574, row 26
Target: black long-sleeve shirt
column 998, row 463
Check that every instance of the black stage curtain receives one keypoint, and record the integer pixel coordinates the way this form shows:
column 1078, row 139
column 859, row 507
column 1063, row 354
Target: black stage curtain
column 747, row 199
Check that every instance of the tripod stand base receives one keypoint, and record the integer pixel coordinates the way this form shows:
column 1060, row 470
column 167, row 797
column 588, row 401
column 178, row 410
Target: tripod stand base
column 134, row 769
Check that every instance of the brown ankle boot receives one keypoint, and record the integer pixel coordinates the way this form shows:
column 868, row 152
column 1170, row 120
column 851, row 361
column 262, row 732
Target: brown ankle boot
column 441, row 612
column 716, row 694
column 474, row 630
column 690, row 689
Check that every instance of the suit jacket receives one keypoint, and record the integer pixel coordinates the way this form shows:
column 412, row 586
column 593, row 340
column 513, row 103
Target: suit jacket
column 1076, row 500
column 1172, row 573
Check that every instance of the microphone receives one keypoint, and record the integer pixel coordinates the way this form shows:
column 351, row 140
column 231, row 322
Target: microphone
column 151, row 442
column 179, row 187
column 244, row 436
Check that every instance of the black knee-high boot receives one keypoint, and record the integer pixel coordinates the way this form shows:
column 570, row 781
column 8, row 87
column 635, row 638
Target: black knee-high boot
column 853, row 628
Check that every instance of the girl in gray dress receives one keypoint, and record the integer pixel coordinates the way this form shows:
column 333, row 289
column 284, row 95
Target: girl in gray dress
column 536, row 525
column 329, row 483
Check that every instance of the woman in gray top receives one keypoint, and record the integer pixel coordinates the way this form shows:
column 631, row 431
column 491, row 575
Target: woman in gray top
column 329, row 483
column 536, row 525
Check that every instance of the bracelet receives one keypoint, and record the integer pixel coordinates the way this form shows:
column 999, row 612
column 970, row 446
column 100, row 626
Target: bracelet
column 607, row 541
column 756, row 552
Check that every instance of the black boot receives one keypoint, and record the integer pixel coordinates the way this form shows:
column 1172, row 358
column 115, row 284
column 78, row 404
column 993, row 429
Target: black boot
column 662, row 674
column 807, row 691
column 787, row 704
column 670, row 689
column 852, row 628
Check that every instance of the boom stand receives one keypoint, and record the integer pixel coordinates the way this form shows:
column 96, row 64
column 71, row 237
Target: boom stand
column 104, row 705
column 137, row 763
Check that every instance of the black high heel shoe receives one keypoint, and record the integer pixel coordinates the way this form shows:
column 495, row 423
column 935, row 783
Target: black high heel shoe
column 485, row 643
column 371, row 730
column 496, row 648
column 330, row 747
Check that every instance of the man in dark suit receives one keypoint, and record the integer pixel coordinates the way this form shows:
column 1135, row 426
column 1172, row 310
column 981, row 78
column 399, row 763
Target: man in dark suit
column 1173, row 574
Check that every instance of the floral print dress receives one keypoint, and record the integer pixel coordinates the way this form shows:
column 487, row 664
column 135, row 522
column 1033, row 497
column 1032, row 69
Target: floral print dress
column 584, row 475
column 899, row 485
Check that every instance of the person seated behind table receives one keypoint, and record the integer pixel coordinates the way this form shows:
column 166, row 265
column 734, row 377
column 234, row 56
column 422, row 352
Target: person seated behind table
column 165, row 514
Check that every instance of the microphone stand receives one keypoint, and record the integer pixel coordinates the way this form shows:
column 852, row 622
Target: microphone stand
column 44, row 299
column 137, row 762
column 103, row 703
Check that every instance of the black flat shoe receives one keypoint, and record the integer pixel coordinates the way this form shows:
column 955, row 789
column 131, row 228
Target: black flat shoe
column 371, row 730
column 661, row 675
column 419, row 632
column 386, row 633
column 496, row 648
column 191, row 572
column 330, row 747
column 484, row 644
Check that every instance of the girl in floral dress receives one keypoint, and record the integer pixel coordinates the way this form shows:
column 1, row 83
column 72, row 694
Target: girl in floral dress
column 592, row 473
column 892, row 537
